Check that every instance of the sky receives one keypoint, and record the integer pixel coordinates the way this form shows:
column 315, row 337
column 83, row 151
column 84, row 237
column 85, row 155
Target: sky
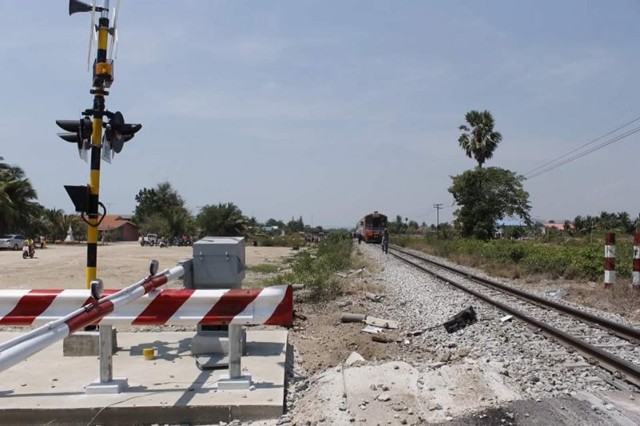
column 330, row 110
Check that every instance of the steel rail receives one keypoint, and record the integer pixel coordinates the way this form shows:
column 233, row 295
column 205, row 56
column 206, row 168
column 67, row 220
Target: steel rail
column 619, row 367
column 624, row 331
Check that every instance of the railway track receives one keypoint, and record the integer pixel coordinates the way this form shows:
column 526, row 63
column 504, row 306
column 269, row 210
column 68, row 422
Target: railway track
column 579, row 330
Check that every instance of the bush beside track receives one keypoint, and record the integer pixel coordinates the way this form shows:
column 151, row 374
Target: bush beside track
column 315, row 268
column 570, row 259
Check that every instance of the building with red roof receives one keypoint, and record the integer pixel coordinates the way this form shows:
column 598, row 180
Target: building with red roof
column 118, row 228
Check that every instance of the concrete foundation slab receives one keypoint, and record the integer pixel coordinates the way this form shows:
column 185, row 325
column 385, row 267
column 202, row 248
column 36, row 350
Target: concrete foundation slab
column 50, row 388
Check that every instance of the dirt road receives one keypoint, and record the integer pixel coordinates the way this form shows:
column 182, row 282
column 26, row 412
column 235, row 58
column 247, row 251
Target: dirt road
column 119, row 264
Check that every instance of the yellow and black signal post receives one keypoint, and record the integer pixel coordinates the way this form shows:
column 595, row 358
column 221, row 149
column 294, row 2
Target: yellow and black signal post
column 103, row 75
column 86, row 199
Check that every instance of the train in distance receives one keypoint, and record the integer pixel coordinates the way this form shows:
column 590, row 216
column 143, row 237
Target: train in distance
column 371, row 227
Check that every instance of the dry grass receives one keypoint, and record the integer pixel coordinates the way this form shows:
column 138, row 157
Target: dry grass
column 360, row 261
column 504, row 271
column 466, row 260
column 360, row 283
column 621, row 299
column 361, row 286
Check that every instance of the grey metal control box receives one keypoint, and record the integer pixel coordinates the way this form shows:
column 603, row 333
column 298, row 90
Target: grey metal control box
column 218, row 262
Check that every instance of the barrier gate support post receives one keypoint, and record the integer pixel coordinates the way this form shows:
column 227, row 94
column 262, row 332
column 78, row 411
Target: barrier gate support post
column 235, row 380
column 106, row 384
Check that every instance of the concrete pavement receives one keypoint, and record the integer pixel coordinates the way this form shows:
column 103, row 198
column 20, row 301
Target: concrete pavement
column 50, row 389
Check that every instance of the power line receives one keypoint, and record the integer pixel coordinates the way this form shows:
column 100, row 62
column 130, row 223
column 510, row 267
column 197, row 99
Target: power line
column 555, row 164
column 550, row 164
column 431, row 212
column 424, row 215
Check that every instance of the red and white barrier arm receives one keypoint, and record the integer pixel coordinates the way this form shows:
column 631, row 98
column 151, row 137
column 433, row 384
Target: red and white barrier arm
column 22, row 347
column 268, row 306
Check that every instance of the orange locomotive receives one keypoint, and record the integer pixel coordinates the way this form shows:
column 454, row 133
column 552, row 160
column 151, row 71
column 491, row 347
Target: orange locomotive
column 372, row 226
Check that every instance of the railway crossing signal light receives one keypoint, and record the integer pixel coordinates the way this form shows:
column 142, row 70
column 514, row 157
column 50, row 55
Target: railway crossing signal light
column 77, row 131
column 118, row 132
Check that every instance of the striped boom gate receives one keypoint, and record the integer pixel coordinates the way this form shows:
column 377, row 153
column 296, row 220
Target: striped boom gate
column 260, row 306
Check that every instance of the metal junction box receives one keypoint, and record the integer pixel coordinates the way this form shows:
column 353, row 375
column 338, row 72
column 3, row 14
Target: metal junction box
column 218, row 262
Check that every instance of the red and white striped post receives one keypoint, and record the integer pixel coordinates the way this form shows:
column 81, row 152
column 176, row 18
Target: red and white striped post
column 609, row 259
column 636, row 261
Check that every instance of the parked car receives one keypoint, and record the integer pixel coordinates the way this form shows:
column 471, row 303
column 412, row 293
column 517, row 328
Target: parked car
column 12, row 241
column 149, row 240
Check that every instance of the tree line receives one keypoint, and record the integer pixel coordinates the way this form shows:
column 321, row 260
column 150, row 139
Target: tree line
column 160, row 210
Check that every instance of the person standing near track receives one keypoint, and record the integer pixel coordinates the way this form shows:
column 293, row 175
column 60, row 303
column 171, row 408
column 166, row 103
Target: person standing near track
column 385, row 241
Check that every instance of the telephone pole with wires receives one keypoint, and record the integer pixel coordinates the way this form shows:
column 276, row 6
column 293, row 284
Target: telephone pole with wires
column 438, row 207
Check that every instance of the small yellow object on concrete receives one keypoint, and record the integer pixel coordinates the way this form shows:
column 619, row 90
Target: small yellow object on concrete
column 149, row 353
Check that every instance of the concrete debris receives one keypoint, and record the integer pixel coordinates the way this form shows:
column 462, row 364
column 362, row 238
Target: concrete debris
column 463, row 352
column 284, row 420
column 368, row 319
column 558, row 294
column 384, row 397
column 435, row 365
column 434, row 406
column 379, row 322
column 381, row 338
column 372, row 329
column 374, row 297
column 359, row 272
column 354, row 359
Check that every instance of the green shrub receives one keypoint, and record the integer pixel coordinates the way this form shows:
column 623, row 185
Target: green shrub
column 316, row 270
column 571, row 258
column 264, row 268
column 291, row 240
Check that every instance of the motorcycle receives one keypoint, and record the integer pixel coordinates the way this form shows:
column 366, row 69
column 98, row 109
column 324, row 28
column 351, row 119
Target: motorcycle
column 28, row 252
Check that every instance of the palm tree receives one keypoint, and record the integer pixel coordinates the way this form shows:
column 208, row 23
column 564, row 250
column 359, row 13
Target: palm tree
column 55, row 221
column 478, row 139
column 18, row 208
column 223, row 219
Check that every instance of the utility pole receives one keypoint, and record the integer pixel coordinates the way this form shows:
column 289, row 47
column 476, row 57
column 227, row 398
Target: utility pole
column 437, row 206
